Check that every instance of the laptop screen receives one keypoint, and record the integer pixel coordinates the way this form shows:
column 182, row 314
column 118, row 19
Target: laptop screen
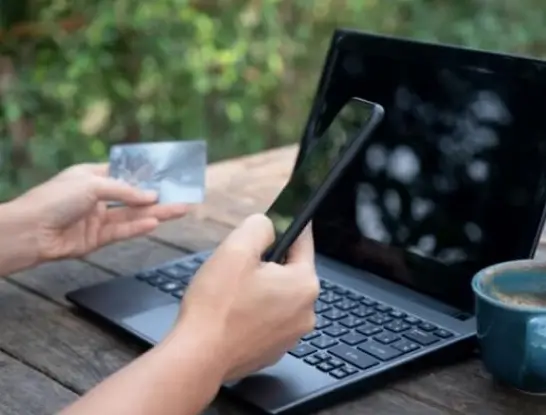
column 452, row 180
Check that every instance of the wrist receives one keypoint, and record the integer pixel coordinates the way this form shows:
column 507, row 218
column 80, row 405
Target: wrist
column 19, row 246
column 190, row 346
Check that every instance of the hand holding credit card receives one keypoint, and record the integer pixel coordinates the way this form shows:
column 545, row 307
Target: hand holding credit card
column 174, row 169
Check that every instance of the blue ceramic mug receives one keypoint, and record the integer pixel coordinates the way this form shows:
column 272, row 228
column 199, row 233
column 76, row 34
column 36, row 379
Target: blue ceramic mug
column 511, row 318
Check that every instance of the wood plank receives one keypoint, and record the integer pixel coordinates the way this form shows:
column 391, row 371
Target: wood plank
column 224, row 174
column 181, row 233
column 242, row 186
column 129, row 256
column 468, row 388
column 382, row 402
column 53, row 280
column 53, row 340
column 24, row 390
column 81, row 354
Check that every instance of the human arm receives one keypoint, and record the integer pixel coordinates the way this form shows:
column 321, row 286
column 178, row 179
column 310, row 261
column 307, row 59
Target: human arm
column 18, row 245
column 180, row 377
column 67, row 217
column 230, row 325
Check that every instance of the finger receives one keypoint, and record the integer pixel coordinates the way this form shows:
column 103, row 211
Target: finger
column 160, row 212
column 99, row 169
column 303, row 248
column 107, row 189
column 252, row 237
column 127, row 230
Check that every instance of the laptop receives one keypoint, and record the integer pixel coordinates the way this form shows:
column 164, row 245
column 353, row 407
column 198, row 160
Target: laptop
column 453, row 180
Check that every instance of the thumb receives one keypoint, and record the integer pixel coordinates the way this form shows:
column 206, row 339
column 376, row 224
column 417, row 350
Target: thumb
column 251, row 238
column 108, row 189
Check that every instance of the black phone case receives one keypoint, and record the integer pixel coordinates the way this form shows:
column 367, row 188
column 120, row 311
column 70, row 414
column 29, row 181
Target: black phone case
column 277, row 253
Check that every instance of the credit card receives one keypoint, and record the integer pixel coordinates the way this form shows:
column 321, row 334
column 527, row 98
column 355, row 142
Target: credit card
column 174, row 169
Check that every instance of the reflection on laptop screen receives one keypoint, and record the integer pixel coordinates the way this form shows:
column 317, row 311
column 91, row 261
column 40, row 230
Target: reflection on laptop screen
column 454, row 177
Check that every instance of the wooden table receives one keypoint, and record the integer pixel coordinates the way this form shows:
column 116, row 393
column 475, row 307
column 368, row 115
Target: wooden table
column 49, row 355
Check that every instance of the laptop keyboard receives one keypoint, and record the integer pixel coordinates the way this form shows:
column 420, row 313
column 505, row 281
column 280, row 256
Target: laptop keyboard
column 353, row 332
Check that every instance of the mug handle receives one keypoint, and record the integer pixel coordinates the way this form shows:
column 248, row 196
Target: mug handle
column 536, row 346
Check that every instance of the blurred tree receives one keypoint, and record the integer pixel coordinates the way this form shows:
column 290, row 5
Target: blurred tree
column 76, row 77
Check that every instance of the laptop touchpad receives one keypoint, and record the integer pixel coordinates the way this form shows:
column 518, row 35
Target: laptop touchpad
column 153, row 324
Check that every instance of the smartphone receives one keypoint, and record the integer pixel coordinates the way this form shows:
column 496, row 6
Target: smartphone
column 321, row 167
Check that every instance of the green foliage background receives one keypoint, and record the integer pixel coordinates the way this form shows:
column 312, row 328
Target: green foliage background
column 77, row 76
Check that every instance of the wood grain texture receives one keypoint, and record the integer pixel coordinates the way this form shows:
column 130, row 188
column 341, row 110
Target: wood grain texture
column 144, row 253
column 57, row 342
column 26, row 391
column 53, row 280
column 181, row 233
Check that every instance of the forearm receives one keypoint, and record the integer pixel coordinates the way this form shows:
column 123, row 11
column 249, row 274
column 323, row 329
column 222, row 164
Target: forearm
column 178, row 377
column 18, row 246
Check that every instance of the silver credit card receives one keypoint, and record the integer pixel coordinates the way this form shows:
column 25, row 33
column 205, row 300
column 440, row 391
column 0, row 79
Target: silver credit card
column 174, row 169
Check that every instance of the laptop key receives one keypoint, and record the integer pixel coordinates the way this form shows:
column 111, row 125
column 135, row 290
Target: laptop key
column 397, row 326
column 324, row 342
column 421, row 337
column 334, row 314
column 382, row 308
column 186, row 265
column 406, row 346
column 380, row 319
column 352, row 339
column 353, row 356
column 170, row 286
column 350, row 369
column 173, row 272
column 397, row 314
column 330, row 297
column 386, row 338
column 368, row 302
column 157, row 280
column 322, row 356
column 326, row 285
column 444, row 334
column 178, row 293
column 334, row 361
column 355, row 296
column 352, row 322
column 339, row 373
column 321, row 307
column 302, row 350
column 380, row 351
column 369, row 330
column 340, row 291
column 363, row 312
column 200, row 259
column 143, row 276
column 412, row 320
column 336, row 330
column 427, row 326
column 322, row 323
column 346, row 304
column 312, row 360
column 311, row 336
column 325, row 367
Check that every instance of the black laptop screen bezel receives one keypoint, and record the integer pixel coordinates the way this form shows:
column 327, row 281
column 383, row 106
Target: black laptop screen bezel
column 513, row 67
